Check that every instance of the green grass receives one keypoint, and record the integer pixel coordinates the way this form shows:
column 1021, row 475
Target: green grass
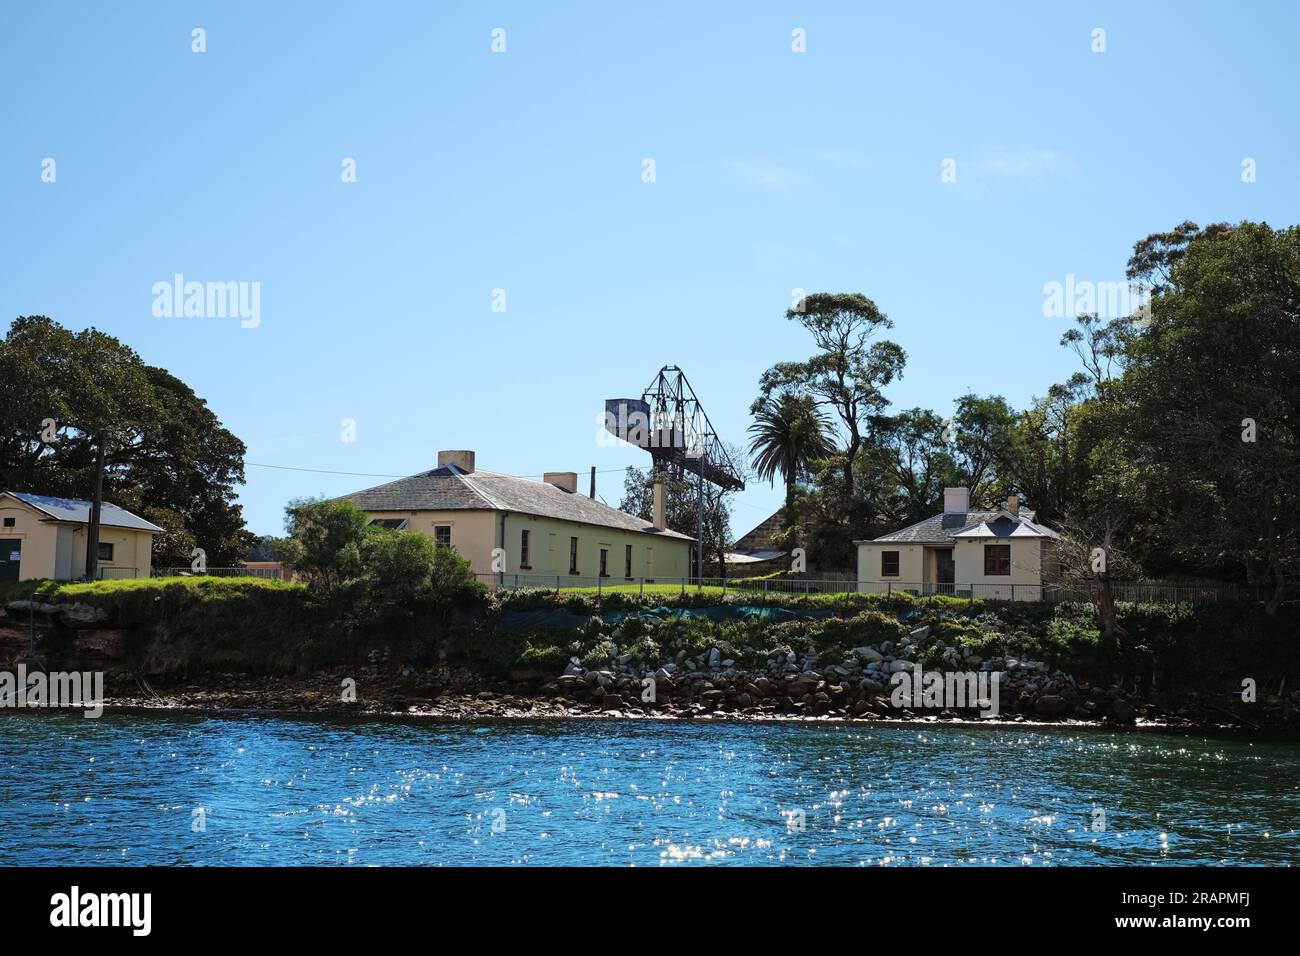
column 93, row 592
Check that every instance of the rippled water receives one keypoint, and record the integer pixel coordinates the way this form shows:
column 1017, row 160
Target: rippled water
column 123, row 790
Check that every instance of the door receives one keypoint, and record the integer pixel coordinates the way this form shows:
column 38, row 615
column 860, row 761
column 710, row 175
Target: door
column 11, row 556
column 944, row 570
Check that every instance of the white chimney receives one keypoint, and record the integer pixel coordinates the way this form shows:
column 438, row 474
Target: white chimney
column 660, row 519
column 956, row 500
column 1013, row 504
column 564, row 480
column 464, row 460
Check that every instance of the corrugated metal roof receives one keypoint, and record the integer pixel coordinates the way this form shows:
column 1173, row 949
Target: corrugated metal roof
column 78, row 512
column 450, row 489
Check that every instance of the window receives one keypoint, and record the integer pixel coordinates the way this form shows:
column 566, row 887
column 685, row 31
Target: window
column 442, row 535
column 9, row 522
column 604, row 562
column 392, row 524
column 105, row 551
column 523, row 549
column 997, row 559
column 889, row 564
column 573, row 555
column 627, row 562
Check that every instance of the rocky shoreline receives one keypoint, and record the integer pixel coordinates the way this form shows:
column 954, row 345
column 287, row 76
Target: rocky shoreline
column 789, row 688
column 778, row 685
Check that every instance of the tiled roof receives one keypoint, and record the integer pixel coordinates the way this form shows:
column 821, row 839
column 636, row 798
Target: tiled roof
column 78, row 512
column 944, row 528
column 450, row 489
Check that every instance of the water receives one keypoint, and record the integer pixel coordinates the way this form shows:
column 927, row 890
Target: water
column 123, row 790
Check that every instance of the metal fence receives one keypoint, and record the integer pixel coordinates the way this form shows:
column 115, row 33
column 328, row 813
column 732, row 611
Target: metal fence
column 1137, row 592
column 115, row 573
column 189, row 572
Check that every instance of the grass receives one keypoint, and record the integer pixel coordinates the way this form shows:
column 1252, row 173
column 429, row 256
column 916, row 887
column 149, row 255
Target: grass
column 94, row 592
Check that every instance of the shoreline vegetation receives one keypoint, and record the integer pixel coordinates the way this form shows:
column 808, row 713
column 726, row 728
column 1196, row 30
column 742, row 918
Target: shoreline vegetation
column 250, row 645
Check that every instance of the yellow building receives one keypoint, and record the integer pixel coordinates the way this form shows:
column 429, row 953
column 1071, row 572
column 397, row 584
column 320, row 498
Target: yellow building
column 1001, row 554
column 44, row 537
column 520, row 531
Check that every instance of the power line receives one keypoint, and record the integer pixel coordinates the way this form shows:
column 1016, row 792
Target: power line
column 371, row 474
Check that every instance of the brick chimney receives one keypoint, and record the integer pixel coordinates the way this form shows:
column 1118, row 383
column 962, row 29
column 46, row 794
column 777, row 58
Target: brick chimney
column 956, row 500
column 564, row 480
column 1013, row 504
column 659, row 517
column 464, row 460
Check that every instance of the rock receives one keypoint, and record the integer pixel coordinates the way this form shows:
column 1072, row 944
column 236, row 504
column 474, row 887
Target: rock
column 611, row 701
column 920, row 634
column 1122, row 710
column 728, row 663
column 715, row 658
column 81, row 615
column 899, row 665
column 868, row 653
column 37, row 606
column 1049, row 705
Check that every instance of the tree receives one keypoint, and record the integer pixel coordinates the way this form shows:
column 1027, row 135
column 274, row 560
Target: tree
column 81, row 411
column 847, row 374
column 1211, row 396
column 789, row 432
column 982, row 429
column 681, row 506
column 919, row 461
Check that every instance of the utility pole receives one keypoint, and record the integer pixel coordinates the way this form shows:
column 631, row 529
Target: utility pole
column 92, row 530
column 699, row 529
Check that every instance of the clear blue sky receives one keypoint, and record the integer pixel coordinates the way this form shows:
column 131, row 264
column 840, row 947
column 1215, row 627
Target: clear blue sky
column 523, row 171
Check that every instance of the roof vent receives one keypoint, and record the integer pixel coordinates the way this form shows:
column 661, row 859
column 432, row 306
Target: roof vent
column 464, row 460
column 564, row 480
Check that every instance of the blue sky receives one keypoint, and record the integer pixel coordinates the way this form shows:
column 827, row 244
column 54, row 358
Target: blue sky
column 522, row 171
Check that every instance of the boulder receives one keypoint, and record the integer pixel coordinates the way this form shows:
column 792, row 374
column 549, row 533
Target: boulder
column 868, row 653
column 81, row 615
column 1050, row 705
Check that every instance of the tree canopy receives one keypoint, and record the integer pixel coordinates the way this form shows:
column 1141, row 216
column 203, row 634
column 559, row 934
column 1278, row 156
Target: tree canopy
column 67, row 397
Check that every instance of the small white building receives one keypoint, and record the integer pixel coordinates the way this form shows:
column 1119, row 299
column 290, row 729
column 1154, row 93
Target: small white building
column 1001, row 554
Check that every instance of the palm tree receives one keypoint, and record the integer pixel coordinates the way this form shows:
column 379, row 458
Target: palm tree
column 789, row 432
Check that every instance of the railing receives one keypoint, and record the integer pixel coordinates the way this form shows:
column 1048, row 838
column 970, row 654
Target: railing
column 758, row 587
column 1135, row 592
column 1153, row 592
column 273, row 573
column 115, row 572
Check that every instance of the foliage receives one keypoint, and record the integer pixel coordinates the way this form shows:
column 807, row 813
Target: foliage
column 166, row 455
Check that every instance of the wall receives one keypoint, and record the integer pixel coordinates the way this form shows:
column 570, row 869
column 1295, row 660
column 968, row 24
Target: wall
column 132, row 553
column 475, row 533
column 38, row 539
column 1026, row 568
column 911, row 566
column 653, row 556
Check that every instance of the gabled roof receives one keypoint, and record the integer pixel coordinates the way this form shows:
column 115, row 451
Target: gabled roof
column 1006, row 525
column 75, row 511
column 450, row 489
column 947, row 527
